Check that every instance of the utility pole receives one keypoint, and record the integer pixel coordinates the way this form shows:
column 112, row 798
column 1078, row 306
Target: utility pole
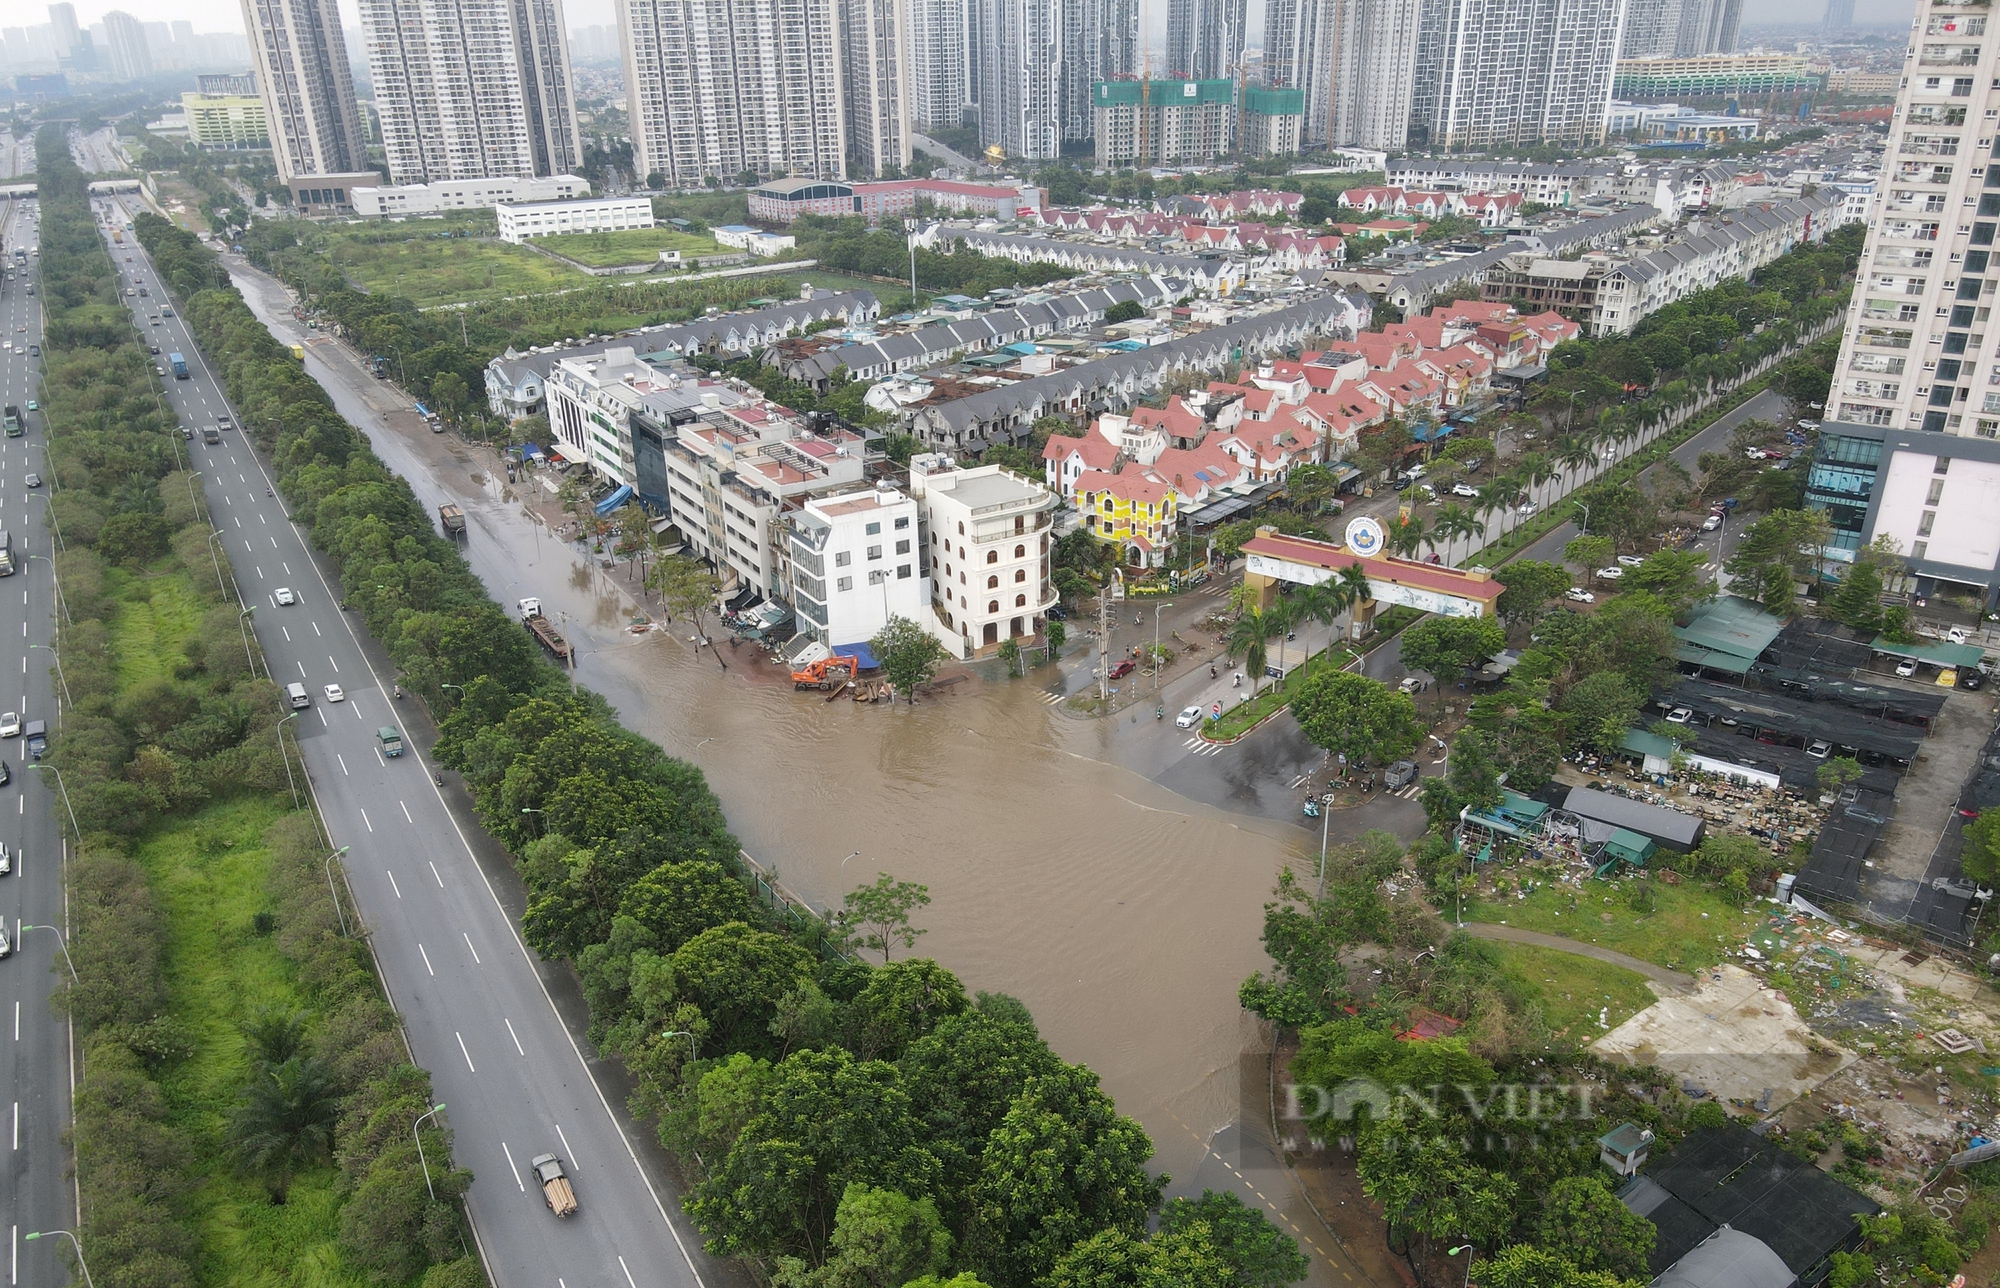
column 1114, row 588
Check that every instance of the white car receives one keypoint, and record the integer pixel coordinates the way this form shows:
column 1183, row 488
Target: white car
column 6, row 860
column 1526, row 508
column 6, row 945
column 1711, row 523
column 1680, row 715
column 333, row 693
column 1411, row 684
column 284, row 595
column 1819, row 749
column 1630, row 561
column 1958, row 634
column 1464, row 489
column 10, row 725
column 1905, row 668
column 1189, row 718
column 1578, row 595
column 1612, row 573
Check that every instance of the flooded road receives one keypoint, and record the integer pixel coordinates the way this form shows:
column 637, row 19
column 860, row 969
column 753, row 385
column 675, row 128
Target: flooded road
column 1123, row 914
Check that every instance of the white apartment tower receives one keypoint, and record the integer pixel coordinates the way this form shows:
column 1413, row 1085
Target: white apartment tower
column 1100, row 43
column 1021, row 73
column 131, row 58
column 471, row 89
column 300, row 59
column 1205, row 38
column 938, row 70
column 1493, row 73
column 715, row 88
column 1681, row 28
column 1354, row 60
column 875, row 44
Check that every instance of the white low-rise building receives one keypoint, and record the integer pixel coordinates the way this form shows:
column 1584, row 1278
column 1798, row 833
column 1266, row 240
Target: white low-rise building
column 463, row 194
column 856, row 563
column 591, row 402
column 754, row 240
column 525, row 220
column 987, row 535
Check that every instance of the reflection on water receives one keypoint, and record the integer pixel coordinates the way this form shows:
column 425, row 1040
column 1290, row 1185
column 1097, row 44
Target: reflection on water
column 1123, row 915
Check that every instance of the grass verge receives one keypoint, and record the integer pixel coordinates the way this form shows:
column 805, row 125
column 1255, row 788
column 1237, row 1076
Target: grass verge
column 1243, row 716
column 447, row 270
column 1578, row 996
column 1690, row 927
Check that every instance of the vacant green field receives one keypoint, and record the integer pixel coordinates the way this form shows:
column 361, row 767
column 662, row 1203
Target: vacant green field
column 1688, row 929
column 1579, row 996
column 154, row 618
column 446, row 270
column 710, row 208
column 633, row 246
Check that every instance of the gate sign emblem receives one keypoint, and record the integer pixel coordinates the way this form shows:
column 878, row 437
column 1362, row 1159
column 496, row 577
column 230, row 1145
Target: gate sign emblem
column 1364, row 537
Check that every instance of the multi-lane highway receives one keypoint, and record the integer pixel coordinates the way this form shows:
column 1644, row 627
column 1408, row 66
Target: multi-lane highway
column 514, row 1081
column 36, row 1192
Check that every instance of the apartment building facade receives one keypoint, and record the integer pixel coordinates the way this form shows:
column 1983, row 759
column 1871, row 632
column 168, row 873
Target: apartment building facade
column 524, row 221
column 226, row 122
column 1205, row 38
column 856, row 560
column 939, row 91
column 299, row 56
column 1141, row 123
column 875, row 41
column 1494, row 73
column 718, row 88
column 1021, row 65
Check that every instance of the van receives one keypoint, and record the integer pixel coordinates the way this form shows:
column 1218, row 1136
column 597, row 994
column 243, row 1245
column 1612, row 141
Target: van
column 297, row 693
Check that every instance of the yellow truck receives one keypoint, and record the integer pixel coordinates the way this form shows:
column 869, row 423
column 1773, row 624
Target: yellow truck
column 298, row 353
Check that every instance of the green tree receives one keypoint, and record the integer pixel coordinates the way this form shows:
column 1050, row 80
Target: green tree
column 1523, row 1265
column 737, row 975
column 1583, row 1217
column 1857, row 601
column 877, row 916
column 684, row 585
column 1310, row 487
column 1601, row 707
column 1677, row 578
column 881, row 1239
column 1530, row 585
column 1010, row 656
column 1262, row 1255
column 1589, row 553
column 909, row 654
column 285, row 1123
column 1775, row 552
column 1128, row 311
column 1981, row 856
column 1448, row 647
column 1838, row 772
column 901, row 1003
column 1351, row 715
column 1061, row 1165
column 1248, row 635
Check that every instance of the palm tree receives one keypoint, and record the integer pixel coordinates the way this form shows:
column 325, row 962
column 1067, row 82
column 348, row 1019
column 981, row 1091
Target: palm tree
column 1246, row 640
column 1454, row 521
column 1404, row 538
column 1324, row 602
column 285, row 1123
column 1356, row 590
column 1576, row 455
column 1535, row 469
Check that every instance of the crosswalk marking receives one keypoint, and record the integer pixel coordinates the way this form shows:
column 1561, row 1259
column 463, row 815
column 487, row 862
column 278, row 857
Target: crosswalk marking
column 1053, row 699
column 1203, row 747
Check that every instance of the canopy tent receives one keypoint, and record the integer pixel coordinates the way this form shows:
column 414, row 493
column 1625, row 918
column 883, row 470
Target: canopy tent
column 616, row 499
column 1935, row 652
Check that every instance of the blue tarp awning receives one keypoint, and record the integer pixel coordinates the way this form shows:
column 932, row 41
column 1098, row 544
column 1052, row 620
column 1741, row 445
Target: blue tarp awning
column 864, row 657
column 616, row 499
column 423, row 410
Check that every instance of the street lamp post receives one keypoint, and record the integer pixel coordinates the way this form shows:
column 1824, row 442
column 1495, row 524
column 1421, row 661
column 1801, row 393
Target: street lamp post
column 1156, row 644
column 526, row 810
column 40, row 1234
column 63, row 943
column 290, row 783
column 331, row 891
column 1586, row 516
column 243, row 630
column 683, row 1033
column 214, row 537
column 65, row 795
column 1466, row 1248
column 58, row 584
column 59, row 671
column 421, row 1160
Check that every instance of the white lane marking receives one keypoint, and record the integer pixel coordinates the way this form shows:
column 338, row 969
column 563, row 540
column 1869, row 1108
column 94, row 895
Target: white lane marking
column 17, row 1124
column 398, row 889
column 406, row 812
column 427, row 962
column 239, row 523
column 288, row 634
column 434, row 872
column 364, row 818
column 262, row 519
column 568, row 1153
column 260, row 577
column 468, row 1064
column 509, row 1153
column 343, row 763
column 469, row 948
column 335, row 665
column 302, row 667
column 316, row 629
column 286, row 566
column 17, row 1021
column 628, row 1272
column 321, row 713
column 510, row 1033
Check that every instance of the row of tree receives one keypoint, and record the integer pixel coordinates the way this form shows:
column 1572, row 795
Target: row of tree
column 844, row 1123
column 148, row 740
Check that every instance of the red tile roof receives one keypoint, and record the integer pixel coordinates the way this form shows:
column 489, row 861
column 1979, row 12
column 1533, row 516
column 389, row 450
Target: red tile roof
column 1480, row 587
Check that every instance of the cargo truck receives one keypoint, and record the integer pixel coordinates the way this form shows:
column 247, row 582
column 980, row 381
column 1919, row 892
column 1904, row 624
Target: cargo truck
column 391, row 739
column 299, row 352
column 13, row 421
column 543, row 629
column 179, row 364
column 453, row 519
column 556, row 1191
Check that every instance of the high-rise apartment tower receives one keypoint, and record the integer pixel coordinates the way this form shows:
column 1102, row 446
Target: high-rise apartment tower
column 299, row 56
column 1494, row 73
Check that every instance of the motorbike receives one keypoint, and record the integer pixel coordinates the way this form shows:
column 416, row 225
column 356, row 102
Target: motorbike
column 269, row 492
column 1237, row 681
column 1312, row 809
column 1159, row 713
column 399, row 690
column 1211, row 670
column 438, row 779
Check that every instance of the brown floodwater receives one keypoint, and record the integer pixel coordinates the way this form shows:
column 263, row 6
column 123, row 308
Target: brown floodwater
column 1124, row 915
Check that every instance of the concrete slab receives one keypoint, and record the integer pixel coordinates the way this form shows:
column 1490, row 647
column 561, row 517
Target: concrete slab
column 1733, row 1036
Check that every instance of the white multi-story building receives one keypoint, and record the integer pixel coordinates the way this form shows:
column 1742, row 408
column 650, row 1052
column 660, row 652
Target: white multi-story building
column 226, row 121
column 131, row 56
column 1494, row 73
column 470, row 89
column 300, row 59
column 1021, row 75
column 875, row 42
column 715, row 88
column 938, row 90
column 1681, row 28
column 525, row 221
column 465, row 194
column 591, row 401
column 1354, row 60
column 986, row 540
column 1205, row 38
column 856, row 562
column 1100, row 41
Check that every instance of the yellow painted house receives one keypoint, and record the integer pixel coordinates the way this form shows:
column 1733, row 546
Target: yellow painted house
column 1131, row 509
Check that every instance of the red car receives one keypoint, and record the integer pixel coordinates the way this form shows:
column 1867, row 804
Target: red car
column 1124, row 669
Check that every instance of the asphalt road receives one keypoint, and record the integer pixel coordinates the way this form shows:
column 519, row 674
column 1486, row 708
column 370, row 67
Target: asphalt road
column 36, row 1191
column 472, row 997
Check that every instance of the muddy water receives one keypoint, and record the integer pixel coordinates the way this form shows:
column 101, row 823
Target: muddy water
column 1122, row 914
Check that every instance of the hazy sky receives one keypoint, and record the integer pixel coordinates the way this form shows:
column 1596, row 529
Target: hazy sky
column 226, row 15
